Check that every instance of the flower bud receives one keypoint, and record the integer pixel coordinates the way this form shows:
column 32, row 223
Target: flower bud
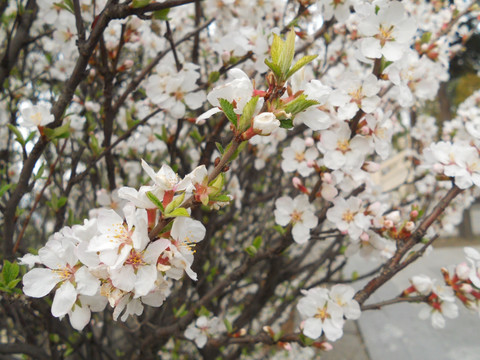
column 463, row 271
column 409, row 226
column 309, row 141
column 265, row 123
column 364, row 237
column 371, row 167
column 393, row 216
column 466, row 288
column 128, row 63
column 438, row 168
column 296, row 182
column 226, row 57
column 327, row 177
column 422, row 283
column 388, row 224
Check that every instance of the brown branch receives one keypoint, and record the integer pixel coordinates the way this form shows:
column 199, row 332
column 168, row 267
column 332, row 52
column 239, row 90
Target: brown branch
column 139, row 78
column 18, row 42
column 79, row 22
column 38, row 197
column 397, row 300
column 393, row 266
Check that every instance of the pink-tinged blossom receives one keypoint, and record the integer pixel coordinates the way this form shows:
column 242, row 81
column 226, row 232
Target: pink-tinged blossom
column 178, row 257
column 340, row 151
column 459, row 161
column 59, row 258
column 423, row 284
column 299, row 212
column 297, row 158
column 117, row 237
column 166, row 179
column 353, row 94
column 343, row 295
column 339, row 8
column 138, row 273
column 386, row 31
column 348, row 216
column 322, row 315
column 203, row 328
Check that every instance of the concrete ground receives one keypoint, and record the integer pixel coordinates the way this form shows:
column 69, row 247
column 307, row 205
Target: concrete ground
column 395, row 332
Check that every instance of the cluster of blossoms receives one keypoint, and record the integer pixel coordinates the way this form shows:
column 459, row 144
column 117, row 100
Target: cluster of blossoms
column 463, row 283
column 324, row 311
column 111, row 258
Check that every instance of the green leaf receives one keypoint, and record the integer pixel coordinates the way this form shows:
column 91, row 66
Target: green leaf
column 174, row 204
column 299, row 64
column 196, row 135
column 30, row 137
column 94, row 145
column 4, row 189
column 222, row 198
column 306, row 340
column 65, row 6
column 276, row 49
column 178, row 312
column 277, row 336
column 426, row 36
column 275, row 68
column 213, row 77
column 227, row 109
column 61, row 202
column 288, row 52
column 178, row 212
column 279, row 229
column 18, row 134
column 286, row 124
column 248, row 111
column 257, row 242
column 40, row 171
column 220, row 148
column 61, row 132
column 251, row 250
column 239, row 150
column 299, row 104
column 354, row 275
column 155, row 201
column 161, row 14
column 217, row 184
column 228, row 325
column 13, row 283
column 140, row 3
column 9, row 271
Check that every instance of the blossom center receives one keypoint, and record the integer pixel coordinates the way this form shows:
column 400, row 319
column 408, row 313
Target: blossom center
column 348, row 216
column 135, row 259
column 300, row 156
column 296, row 216
column 121, row 234
column 66, row 273
column 385, row 34
column 321, row 314
column 343, row 145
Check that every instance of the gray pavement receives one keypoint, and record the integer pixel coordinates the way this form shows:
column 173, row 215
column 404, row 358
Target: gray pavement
column 396, row 333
